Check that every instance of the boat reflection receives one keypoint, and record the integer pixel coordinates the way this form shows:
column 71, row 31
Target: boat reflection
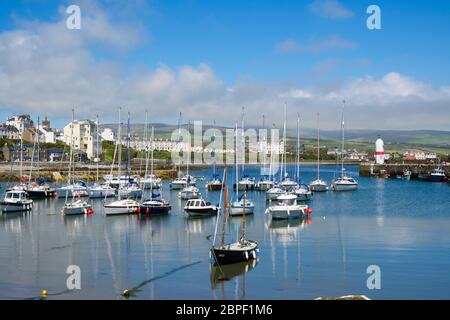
column 286, row 231
column 225, row 273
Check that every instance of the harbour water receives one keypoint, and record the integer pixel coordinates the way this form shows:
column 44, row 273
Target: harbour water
column 401, row 226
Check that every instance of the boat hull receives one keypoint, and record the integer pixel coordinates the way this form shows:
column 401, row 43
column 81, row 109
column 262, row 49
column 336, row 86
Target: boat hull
column 344, row 187
column 76, row 211
column 102, row 193
column 201, row 212
column 318, row 187
column 239, row 210
column 214, row 187
column 16, row 207
column 224, row 256
column 433, row 178
column 285, row 213
column 146, row 211
column 41, row 194
column 120, row 210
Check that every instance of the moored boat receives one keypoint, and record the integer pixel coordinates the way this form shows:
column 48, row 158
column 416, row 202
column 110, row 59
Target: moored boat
column 16, row 201
column 77, row 207
column 189, row 192
column 199, row 207
column 287, row 208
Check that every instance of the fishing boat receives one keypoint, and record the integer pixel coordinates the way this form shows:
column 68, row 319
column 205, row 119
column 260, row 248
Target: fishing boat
column 239, row 251
column 287, row 208
column 318, row 185
column 406, row 175
column 189, row 192
column 437, row 175
column 240, row 205
column 199, row 208
column 16, row 201
column 344, row 183
column 75, row 207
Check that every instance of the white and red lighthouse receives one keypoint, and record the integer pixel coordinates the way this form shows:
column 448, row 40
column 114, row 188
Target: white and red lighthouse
column 379, row 151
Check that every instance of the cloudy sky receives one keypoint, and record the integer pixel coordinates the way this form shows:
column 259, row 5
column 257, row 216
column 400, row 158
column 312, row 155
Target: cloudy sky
column 210, row 58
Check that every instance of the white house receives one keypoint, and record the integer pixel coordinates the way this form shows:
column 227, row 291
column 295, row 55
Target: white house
column 83, row 136
column 107, row 135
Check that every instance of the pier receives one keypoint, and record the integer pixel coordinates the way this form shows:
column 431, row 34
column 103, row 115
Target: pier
column 391, row 170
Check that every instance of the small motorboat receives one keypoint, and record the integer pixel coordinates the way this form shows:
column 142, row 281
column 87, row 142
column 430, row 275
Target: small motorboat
column 302, row 192
column 16, row 201
column 189, row 192
column 274, row 193
column 77, row 207
column 318, row 185
column 406, row 175
column 199, row 207
column 287, row 208
column 344, row 183
column 119, row 207
column 102, row 191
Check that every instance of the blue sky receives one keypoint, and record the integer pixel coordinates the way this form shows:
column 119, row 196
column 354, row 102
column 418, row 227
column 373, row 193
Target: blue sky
column 309, row 48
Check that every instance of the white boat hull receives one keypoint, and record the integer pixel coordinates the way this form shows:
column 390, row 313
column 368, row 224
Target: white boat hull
column 117, row 210
column 285, row 213
column 15, row 207
column 102, row 193
column 344, row 187
column 239, row 210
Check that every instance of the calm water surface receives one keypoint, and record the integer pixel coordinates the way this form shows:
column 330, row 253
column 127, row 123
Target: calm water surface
column 401, row 226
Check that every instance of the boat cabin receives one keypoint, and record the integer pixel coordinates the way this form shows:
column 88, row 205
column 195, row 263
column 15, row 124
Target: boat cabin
column 197, row 203
column 15, row 196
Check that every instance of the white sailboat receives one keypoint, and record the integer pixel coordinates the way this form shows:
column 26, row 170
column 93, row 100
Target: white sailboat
column 182, row 181
column 100, row 190
column 121, row 206
column 318, row 185
column 302, row 191
column 285, row 181
column 246, row 183
column 215, row 184
column 287, row 208
column 240, row 205
column 266, row 181
column 76, row 206
column 151, row 181
column 344, row 182
column 131, row 188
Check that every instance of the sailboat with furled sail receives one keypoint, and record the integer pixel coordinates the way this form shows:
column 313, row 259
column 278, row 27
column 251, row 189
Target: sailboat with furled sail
column 215, row 184
column 318, row 185
column 240, row 251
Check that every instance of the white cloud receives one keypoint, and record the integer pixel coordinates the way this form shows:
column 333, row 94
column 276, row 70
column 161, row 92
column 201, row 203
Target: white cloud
column 330, row 9
column 45, row 69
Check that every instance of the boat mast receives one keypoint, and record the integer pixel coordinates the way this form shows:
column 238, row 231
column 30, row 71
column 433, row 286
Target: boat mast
column 119, row 151
column 236, row 163
column 179, row 144
column 297, row 168
column 264, row 145
column 71, row 155
column 128, row 148
column 283, row 158
column 189, row 153
column 146, row 155
column 220, row 200
column 21, row 153
column 97, row 159
column 243, row 140
column 318, row 147
column 243, row 216
column 38, row 148
column 144, row 142
column 343, row 139
column 32, row 160
column 225, row 206
column 214, row 152
column 152, row 149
